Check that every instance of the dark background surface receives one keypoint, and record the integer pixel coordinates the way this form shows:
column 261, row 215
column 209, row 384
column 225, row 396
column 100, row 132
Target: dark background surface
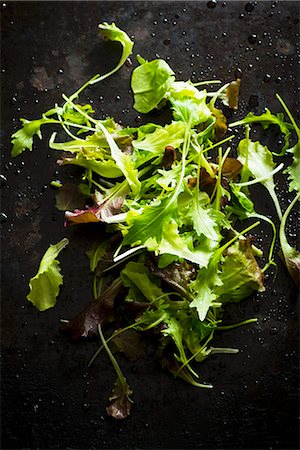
column 49, row 397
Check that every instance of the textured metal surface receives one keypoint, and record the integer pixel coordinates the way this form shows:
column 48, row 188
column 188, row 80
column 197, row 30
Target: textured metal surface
column 49, row 397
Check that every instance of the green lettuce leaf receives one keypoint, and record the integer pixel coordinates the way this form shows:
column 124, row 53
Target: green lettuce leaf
column 44, row 286
column 156, row 141
column 150, row 82
column 23, row 138
column 105, row 168
column 293, row 170
column 240, row 273
column 174, row 243
column 258, row 161
column 138, row 275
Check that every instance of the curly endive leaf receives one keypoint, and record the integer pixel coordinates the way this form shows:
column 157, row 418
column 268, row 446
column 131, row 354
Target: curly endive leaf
column 44, row 286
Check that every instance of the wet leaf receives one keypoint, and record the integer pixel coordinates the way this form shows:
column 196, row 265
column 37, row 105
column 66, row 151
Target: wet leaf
column 120, row 400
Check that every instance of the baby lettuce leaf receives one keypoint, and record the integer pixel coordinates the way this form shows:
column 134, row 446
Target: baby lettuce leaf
column 113, row 33
column 44, row 286
column 156, row 141
column 258, row 161
column 240, row 274
column 69, row 197
column 138, row 275
column 291, row 256
column 174, row 243
column 150, row 82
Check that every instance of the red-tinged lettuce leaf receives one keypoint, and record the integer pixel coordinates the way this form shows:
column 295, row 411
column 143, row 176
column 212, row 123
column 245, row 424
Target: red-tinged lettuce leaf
column 231, row 168
column 231, row 96
column 130, row 343
column 120, row 400
column 100, row 311
column 220, row 124
column 69, row 197
column 96, row 213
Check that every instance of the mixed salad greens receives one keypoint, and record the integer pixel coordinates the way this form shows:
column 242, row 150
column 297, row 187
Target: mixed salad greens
column 171, row 202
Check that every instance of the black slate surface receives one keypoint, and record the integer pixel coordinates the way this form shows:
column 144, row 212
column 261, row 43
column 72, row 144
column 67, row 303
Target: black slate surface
column 50, row 400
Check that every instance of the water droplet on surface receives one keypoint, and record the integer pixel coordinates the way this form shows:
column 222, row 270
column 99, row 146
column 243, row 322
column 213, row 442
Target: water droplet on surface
column 212, row 4
column 252, row 38
column 267, row 78
column 238, row 73
column 3, row 180
column 85, row 406
column 249, row 7
column 3, row 217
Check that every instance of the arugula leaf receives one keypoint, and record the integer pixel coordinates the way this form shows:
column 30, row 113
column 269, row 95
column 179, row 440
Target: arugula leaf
column 44, row 286
column 174, row 243
column 113, row 33
column 266, row 119
column 149, row 223
column 156, row 141
column 23, row 138
column 190, row 110
column 120, row 399
column 150, row 82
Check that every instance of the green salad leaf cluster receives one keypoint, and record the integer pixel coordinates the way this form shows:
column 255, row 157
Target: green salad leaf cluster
column 175, row 202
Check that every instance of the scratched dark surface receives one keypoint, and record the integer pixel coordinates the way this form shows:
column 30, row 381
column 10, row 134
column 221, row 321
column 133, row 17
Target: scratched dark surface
column 50, row 399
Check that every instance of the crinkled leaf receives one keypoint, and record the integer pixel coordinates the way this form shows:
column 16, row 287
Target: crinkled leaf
column 240, row 273
column 150, row 82
column 120, row 400
column 156, row 141
column 45, row 285
column 294, row 169
column 103, row 212
column 71, row 115
column 190, row 110
column 175, row 244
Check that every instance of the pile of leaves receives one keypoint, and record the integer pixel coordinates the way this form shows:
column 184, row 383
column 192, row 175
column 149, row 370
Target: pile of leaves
column 170, row 199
